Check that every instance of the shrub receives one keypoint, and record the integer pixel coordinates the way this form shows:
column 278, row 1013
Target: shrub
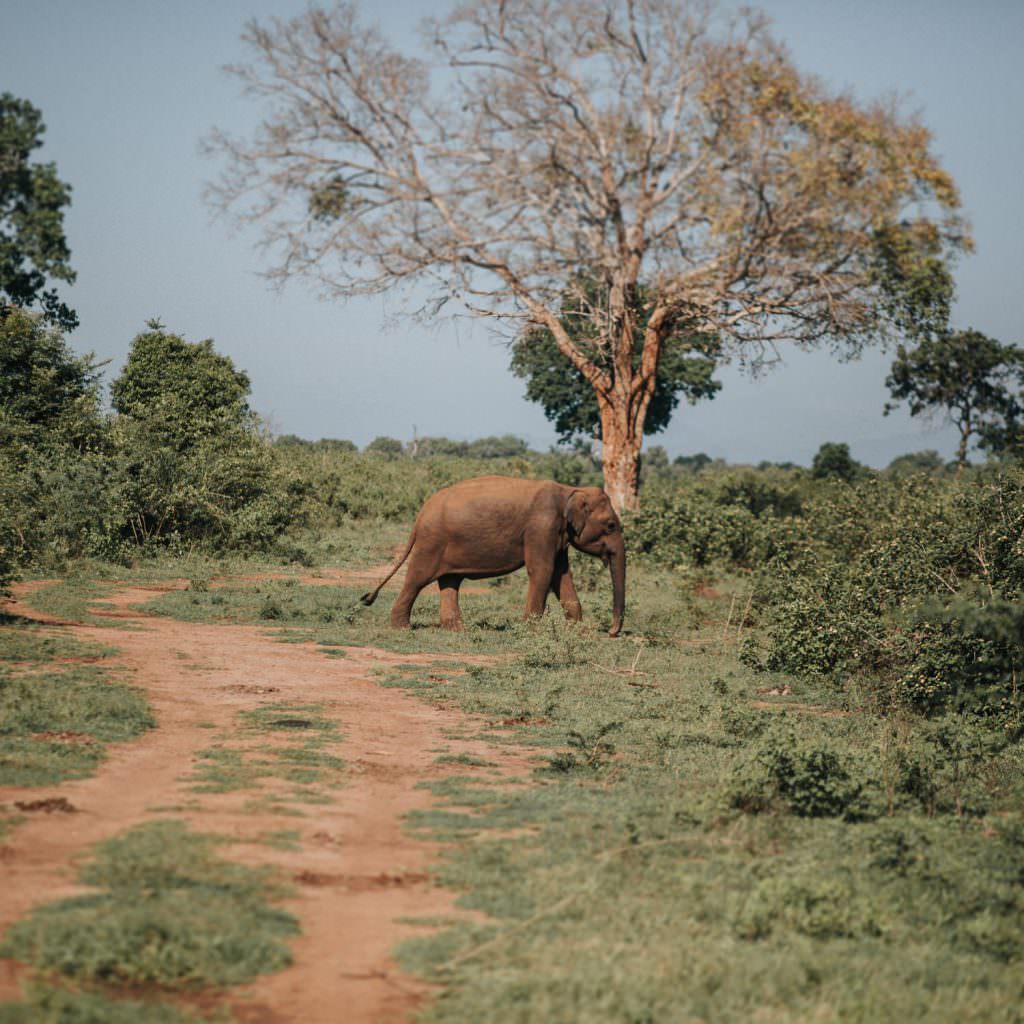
column 54, row 446
column 734, row 518
column 808, row 781
column 914, row 586
column 194, row 466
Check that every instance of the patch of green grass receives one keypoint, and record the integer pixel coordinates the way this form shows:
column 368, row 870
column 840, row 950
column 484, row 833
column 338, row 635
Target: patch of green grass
column 71, row 599
column 301, row 757
column 169, row 912
column 24, row 641
column 44, row 1004
column 282, row 839
column 56, row 719
column 468, row 759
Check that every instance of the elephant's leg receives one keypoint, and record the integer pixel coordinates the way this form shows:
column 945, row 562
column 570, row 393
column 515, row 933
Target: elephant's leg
column 451, row 617
column 417, row 576
column 539, row 569
column 564, row 589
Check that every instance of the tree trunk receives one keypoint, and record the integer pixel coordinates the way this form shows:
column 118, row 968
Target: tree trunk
column 965, row 437
column 620, row 457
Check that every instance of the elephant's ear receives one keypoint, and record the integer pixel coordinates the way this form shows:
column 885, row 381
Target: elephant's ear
column 576, row 512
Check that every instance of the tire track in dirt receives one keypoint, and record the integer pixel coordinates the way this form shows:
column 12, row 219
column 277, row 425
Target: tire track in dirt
column 356, row 871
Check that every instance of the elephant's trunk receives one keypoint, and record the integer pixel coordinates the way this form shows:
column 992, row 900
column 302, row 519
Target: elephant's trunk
column 617, row 567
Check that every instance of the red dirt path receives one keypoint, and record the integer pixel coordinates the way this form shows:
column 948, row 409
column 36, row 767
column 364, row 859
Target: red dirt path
column 356, row 872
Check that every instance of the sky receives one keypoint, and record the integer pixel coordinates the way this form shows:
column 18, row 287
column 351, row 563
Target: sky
column 128, row 88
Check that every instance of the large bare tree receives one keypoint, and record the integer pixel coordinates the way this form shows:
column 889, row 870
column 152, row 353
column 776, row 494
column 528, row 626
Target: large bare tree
column 652, row 144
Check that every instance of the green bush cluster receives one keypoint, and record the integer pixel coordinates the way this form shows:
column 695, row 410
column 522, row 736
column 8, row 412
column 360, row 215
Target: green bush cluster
column 731, row 518
column 810, row 781
column 913, row 586
column 180, row 462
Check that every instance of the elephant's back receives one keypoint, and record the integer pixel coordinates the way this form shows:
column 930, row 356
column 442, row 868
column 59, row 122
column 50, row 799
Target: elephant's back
column 484, row 498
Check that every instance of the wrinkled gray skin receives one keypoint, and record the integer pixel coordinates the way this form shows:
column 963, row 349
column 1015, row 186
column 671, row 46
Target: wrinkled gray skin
column 493, row 525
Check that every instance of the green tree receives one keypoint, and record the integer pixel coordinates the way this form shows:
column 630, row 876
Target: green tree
column 567, row 397
column 191, row 383
column 195, row 466
column 508, row 446
column 833, row 461
column 33, row 248
column 385, row 447
column 54, row 445
column 48, row 395
column 970, row 378
column 929, row 462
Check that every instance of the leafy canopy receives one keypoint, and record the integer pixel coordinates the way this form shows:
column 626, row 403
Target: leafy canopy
column 569, row 400
column 32, row 202
column 187, row 381
column 833, row 459
column 48, row 395
column 975, row 380
column 196, row 467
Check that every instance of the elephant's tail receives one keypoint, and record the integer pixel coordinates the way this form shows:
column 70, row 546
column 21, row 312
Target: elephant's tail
column 371, row 595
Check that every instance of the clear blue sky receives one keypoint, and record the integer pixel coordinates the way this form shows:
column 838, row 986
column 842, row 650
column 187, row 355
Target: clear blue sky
column 128, row 88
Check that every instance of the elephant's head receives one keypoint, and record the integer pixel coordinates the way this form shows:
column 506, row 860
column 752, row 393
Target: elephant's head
column 592, row 526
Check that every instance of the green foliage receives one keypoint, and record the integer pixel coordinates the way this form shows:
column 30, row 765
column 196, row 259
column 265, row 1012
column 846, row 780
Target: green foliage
column 913, row 585
column 911, row 264
column 49, row 397
column 192, row 382
column 508, row 446
column 833, row 461
column 184, row 462
column 47, row 1005
column 732, row 518
column 929, row 461
column 791, row 902
column 975, row 380
column 385, row 447
column 33, row 248
column 54, row 456
column 169, row 913
column 686, row 365
column 811, row 781
column 194, row 465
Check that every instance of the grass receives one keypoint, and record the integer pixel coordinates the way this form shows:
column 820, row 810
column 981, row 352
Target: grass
column 167, row 912
column 45, row 1004
column 24, row 641
column 298, row 755
column 71, row 598
column 58, row 710
column 704, row 857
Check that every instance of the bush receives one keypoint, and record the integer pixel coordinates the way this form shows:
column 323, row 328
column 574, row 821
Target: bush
column 54, row 446
column 734, row 518
column 808, row 781
column 915, row 586
column 194, row 466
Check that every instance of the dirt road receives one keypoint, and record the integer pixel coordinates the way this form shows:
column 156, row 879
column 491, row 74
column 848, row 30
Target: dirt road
column 356, row 871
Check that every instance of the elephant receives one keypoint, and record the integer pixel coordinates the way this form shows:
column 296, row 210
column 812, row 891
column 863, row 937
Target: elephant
column 494, row 525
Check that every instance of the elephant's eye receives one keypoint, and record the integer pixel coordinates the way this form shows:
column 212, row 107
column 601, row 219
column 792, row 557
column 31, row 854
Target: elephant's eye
column 612, row 527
